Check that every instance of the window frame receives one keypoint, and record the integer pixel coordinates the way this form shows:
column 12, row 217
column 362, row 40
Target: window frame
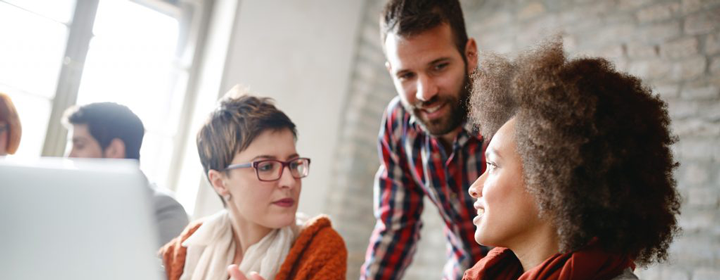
column 194, row 20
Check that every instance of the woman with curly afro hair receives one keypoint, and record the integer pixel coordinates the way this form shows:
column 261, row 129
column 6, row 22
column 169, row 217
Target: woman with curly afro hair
column 579, row 183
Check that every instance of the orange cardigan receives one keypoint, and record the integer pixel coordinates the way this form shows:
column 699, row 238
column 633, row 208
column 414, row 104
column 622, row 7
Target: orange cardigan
column 318, row 253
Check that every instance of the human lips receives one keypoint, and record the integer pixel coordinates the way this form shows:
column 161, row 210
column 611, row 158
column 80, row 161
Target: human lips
column 480, row 208
column 432, row 112
column 285, row 202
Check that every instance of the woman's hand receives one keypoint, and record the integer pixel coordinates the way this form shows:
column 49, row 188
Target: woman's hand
column 236, row 274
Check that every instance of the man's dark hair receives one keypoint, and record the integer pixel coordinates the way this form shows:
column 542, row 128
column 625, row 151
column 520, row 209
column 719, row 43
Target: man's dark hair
column 412, row 17
column 107, row 121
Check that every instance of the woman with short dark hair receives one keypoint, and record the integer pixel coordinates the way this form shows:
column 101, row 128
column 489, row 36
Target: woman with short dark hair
column 247, row 148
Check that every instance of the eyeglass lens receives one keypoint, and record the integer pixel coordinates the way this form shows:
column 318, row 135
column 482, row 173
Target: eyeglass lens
column 270, row 170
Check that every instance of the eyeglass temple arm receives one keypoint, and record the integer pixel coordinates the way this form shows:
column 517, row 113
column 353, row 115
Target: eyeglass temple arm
column 240, row 165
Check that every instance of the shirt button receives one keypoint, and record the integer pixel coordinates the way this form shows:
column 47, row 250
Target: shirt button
column 453, row 196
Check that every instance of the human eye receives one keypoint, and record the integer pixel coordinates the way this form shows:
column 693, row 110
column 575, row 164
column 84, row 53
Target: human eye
column 406, row 76
column 266, row 166
column 440, row 66
column 491, row 165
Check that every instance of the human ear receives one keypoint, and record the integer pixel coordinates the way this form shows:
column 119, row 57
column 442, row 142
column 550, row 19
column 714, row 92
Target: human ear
column 217, row 180
column 116, row 149
column 471, row 55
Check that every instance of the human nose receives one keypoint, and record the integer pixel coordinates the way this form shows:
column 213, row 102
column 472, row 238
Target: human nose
column 475, row 189
column 286, row 178
column 425, row 88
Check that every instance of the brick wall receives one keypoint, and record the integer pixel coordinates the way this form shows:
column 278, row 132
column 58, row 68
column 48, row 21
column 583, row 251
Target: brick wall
column 673, row 45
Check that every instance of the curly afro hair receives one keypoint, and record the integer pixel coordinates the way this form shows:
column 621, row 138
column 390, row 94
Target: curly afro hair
column 595, row 148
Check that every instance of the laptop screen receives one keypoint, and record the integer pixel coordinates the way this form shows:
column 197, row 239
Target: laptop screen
column 76, row 219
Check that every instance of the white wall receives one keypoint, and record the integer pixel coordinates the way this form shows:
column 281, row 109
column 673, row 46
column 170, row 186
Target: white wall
column 299, row 53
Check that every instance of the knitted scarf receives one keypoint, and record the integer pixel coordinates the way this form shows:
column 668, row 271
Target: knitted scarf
column 588, row 263
column 211, row 250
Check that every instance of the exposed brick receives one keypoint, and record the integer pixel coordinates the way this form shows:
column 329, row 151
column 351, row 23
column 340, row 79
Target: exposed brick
column 371, row 35
column 702, row 197
column 688, row 69
column 496, row 20
column 696, row 174
column 712, row 44
column 659, row 33
column 537, row 31
column 494, row 42
column 706, row 273
column 614, row 33
column 695, row 149
column 642, row 50
column 693, row 250
column 694, row 221
column 715, row 65
column 569, row 17
column 570, row 43
column 679, row 48
column 675, row 274
column 531, row 10
column 650, row 69
column 618, row 18
column 594, row 8
column 691, row 6
column 703, row 22
column 632, row 4
column 658, row 12
column 667, row 91
column 614, row 53
column 710, row 3
column 682, row 109
column 696, row 127
column 669, row 273
column 589, row 22
column 701, row 93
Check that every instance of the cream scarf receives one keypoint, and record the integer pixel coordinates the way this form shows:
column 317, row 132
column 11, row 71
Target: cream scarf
column 211, row 250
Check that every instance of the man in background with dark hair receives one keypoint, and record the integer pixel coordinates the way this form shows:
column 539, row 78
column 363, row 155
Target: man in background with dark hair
column 110, row 130
column 426, row 146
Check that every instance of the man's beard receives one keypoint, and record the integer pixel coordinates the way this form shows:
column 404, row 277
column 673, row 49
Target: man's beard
column 450, row 121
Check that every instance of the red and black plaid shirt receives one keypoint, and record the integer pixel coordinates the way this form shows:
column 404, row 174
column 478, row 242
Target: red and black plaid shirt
column 415, row 165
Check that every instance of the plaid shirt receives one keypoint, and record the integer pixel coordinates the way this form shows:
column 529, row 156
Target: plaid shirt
column 414, row 165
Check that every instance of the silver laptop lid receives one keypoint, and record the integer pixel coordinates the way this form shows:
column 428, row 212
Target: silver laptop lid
column 76, row 219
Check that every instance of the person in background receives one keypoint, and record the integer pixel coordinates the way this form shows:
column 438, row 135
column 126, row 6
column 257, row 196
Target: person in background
column 247, row 148
column 112, row 131
column 10, row 128
column 427, row 148
column 579, row 183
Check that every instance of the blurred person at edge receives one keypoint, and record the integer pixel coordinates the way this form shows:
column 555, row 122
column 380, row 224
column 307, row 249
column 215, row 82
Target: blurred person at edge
column 10, row 128
column 112, row 131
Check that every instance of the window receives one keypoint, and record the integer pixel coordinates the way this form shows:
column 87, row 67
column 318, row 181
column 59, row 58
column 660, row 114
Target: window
column 34, row 36
column 133, row 52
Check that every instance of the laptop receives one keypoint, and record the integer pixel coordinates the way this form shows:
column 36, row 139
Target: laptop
column 76, row 219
